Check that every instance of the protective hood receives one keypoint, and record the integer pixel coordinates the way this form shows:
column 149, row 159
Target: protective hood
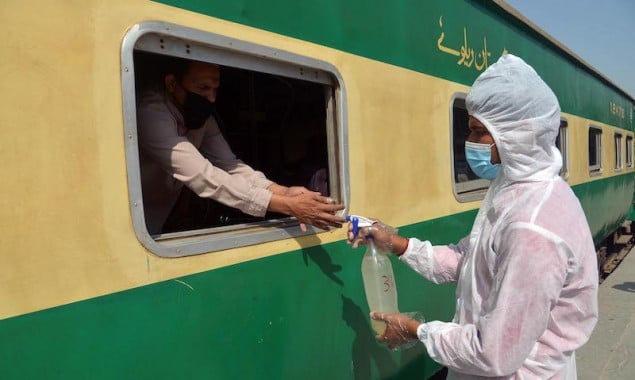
column 523, row 116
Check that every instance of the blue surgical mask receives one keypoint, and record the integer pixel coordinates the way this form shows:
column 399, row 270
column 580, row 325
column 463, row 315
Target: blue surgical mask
column 479, row 157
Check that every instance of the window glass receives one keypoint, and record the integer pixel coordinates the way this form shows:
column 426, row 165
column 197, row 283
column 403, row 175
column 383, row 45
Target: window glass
column 467, row 185
column 618, row 150
column 595, row 150
column 279, row 113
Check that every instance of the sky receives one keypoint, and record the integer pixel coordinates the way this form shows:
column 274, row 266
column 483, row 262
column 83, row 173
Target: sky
column 601, row 32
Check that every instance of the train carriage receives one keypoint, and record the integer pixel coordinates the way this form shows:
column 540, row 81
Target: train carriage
column 364, row 101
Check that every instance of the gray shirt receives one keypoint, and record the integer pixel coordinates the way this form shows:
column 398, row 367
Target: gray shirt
column 171, row 156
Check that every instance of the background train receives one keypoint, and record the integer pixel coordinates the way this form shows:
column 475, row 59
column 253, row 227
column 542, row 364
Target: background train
column 368, row 95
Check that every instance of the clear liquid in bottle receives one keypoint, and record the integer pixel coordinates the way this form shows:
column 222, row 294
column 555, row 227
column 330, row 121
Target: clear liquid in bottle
column 379, row 284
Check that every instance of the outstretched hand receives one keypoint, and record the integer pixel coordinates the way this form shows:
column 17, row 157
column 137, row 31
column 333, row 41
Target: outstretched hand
column 316, row 210
column 292, row 191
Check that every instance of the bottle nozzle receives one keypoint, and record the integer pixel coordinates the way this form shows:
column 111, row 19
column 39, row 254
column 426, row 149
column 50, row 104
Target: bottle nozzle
column 358, row 221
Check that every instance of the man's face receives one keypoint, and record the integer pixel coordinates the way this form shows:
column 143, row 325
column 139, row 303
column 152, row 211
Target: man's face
column 480, row 135
column 200, row 78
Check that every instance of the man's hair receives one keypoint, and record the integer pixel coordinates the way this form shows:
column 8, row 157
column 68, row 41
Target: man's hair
column 151, row 69
column 180, row 66
column 176, row 66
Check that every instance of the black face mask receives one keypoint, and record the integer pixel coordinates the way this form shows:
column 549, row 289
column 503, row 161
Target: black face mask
column 196, row 110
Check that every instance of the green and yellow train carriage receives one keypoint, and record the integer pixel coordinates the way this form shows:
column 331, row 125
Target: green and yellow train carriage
column 369, row 93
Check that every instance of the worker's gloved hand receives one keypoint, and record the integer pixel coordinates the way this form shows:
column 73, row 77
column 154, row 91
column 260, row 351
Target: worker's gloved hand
column 401, row 329
column 379, row 232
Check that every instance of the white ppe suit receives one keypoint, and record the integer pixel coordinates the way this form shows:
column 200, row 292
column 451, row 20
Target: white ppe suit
column 526, row 275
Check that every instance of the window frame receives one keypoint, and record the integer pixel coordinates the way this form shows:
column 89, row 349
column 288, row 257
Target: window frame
column 628, row 154
column 595, row 169
column 180, row 41
column 617, row 145
column 471, row 190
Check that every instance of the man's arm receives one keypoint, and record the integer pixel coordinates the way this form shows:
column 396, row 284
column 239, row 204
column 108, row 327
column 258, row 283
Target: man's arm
column 158, row 138
column 243, row 188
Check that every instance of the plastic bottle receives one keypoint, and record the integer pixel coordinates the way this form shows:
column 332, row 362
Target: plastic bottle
column 378, row 277
column 379, row 284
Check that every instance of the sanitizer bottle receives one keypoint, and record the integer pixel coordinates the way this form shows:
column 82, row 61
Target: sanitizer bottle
column 378, row 277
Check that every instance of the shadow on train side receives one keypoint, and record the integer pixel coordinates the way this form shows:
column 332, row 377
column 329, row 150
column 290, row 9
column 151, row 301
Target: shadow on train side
column 366, row 352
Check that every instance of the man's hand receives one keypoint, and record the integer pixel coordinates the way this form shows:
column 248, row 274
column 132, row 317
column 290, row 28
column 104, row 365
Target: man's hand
column 290, row 191
column 316, row 210
column 309, row 207
column 296, row 190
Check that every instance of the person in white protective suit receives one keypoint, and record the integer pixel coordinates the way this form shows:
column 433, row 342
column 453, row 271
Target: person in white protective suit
column 526, row 275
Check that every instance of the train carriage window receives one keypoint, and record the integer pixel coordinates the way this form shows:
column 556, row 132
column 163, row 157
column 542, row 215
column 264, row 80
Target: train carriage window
column 595, row 150
column 629, row 151
column 467, row 185
column 618, row 151
column 281, row 113
column 562, row 142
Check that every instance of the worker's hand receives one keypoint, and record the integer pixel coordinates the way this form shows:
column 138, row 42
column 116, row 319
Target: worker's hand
column 316, row 210
column 379, row 232
column 401, row 329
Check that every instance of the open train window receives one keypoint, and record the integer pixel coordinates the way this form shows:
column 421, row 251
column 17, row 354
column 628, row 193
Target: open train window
column 595, row 150
column 629, row 151
column 281, row 113
column 562, row 142
column 618, row 151
column 467, row 185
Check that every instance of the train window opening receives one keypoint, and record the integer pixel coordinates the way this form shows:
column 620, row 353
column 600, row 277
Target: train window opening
column 618, row 151
column 562, row 142
column 629, row 151
column 282, row 118
column 467, row 185
column 595, row 150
